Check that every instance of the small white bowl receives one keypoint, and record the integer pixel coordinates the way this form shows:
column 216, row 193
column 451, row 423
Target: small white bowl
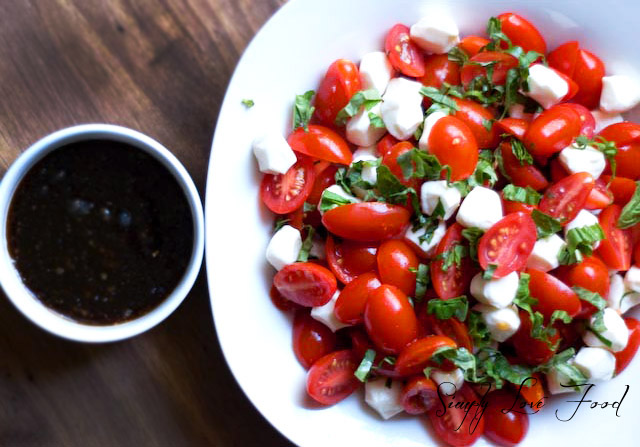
column 33, row 308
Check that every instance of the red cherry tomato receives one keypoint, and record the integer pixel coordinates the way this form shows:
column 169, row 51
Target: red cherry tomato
column 564, row 199
column 439, row 69
column 339, row 84
column 285, row 193
column 572, row 86
column 360, row 342
column 454, row 145
column 417, row 354
column 475, row 116
column 397, row 264
column 528, row 349
column 306, row 284
column 331, row 378
column 348, row 259
column 503, row 63
column 507, row 244
column 404, row 55
column 386, row 143
column 451, row 327
column 590, row 274
column 615, row 249
column 368, row 221
column 557, row 171
column 455, row 427
column 622, row 188
column 455, row 280
column 350, row 304
column 311, row 339
column 419, row 395
column 390, row 159
column 599, row 197
column 389, row 319
column 624, row 357
column 531, row 390
column 502, row 425
column 515, row 207
column 552, row 294
column 324, row 178
column 473, row 44
column 626, row 137
column 587, row 121
column 521, row 175
column 513, row 126
column 281, row 302
column 564, row 58
column 322, row 143
column 522, row 33
column 553, row 130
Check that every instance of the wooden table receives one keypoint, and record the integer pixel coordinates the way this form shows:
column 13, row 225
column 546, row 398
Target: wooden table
column 161, row 67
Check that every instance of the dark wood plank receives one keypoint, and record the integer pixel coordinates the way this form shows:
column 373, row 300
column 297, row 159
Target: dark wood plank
column 161, row 67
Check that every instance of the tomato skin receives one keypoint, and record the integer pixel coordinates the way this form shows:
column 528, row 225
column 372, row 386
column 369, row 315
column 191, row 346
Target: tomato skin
column 311, row 339
column 564, row 199
column 553, row 130
column 331, row 378
column 417, row 354
column 504, row 62
column 557, row 171
column 522, row 33
column 527, row 175
column 324, row 178
column 626, row 136
column 599, row 197
column 455, row 281
column 531, row 390
column 367, row 221
column 564, row 58
column 513, row 126
column 283, row 194
column 351, row 302
column 339, row 84
column 474, row 115
column 451, row 327
column 348, row 259
column 390, row 160
column 439, row 69
column 591, row 274
column 587, row 121
column 588, row 75
column 281, row 302
column 615, row 249
column 530, row 350
column 510, row 206
column 446, row 424
column 454, row 145
column 507, row 244
column 419, row 395
column 395, row 262
column 552, row 294
column 473, row 44
column 504, row 429
column 404, row 55
column 322, row 143
column 386, row 143
column 624, row 357
column 622, row 188
column 306, row 284
column 389, row 319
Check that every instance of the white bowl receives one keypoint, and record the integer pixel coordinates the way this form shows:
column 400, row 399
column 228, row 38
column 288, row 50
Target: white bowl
column 54, row 322
column 288, row 56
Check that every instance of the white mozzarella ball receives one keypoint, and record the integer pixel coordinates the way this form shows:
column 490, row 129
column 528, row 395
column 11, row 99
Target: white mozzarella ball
column 545, row 253
column 325, row 314
column 284, row 247
column 616, row 331
column 426, row 248
column 384, row 400
column 546, row 86
column 273, row 153
column 482, row 208
column 434, row 192
column 339, row 190
column 435, row 33
column 632, row 279
column 589, row 160
column 584, row 218
column 359, row 129
column 501, row 322
column 555, row 380
column 495, row 292
column 375, row 71
column 597, row 364
column 369, row 173
column 402, row 108
column 620, row 93
column 448, row 381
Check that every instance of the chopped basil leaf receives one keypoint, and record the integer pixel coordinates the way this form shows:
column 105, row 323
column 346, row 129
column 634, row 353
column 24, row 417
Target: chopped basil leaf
column 560, row 315
column 279, row 223
column 484, row 172
column 248, row 103
column 422, row 281
column 631, row 212
column 496, row 366
column 560, row 363
column 330, row 200
column 500, row 162
column 376, row 120
column 488, row 273
column 460, row 357
column 445, row 309
column 521, row 152
column 580, row 242
column 590, row 297
column 473, row 235
column 390, row 188
column 362, row 373
column 478, row 330
column 526, row 195
column 525, row 301
column 597, row 327
column 488, row 124
column 419, row 164
column 308, row 207
column 366, row 98
column 458, row 56
column 496, row 36
column 545, row 224
column 303, row 256
column 350, row 178
column 439, row 99
column 303, row 110
column 453, row 256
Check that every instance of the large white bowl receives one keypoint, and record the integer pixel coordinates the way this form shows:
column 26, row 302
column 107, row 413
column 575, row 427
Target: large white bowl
column 287, row 57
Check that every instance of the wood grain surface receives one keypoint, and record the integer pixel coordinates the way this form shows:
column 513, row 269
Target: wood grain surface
column 161, row 67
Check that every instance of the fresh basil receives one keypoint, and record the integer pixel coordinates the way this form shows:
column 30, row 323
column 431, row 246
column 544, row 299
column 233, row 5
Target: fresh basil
column 478, row 330
column 305, row 249
column 473, row 235
column 375, row 120
column 440, row 100
column 489, row 272
column 419, row 164
column 248, row 103
column 445, row 309
column 364, row 369
column 545, row 224
column 521, row 152
column 631, row 212
column 363, row 98
column 330, row 200
column 580, row 242
column 590, row 297
column 303, row 110
column 422, row 281
column 526, row 195
column 454, row 255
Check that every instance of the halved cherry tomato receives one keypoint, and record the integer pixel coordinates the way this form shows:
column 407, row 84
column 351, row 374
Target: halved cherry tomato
column 522, row 33
column 339, row 84
column 348, row 259
column 390, row 160
column 306, row 284
column 507, row 244
column 502, row 425
column 532, row 350
column 553, row 130
column 281, row 302
column 404, row 55
column 572, row 86
column 531, row 390
column 417, row 354
column 564, row 58
column 552, row 294
column 451, row 327
column 386, row 143
column 439, row 69
column 322, row 143
column 454, row 145
column 513, row 126
column 510, row 206
column 622, row 188
column 389, row 319
column 503, row 63
column 475, row 116
column 564, row 199
column 331, row 378
column 419, row 395
column 311, row 339
column 324, row 178
column 587, row 121
column 615, row 249
column 626, row 137
column 396, row 260
column 455, row 427
column 368, row 221
column 624, row 357
column 350, row 304
column 285, row 193
column 521, row 174
column 473, row 44
column 599, row 197
column 455, row 280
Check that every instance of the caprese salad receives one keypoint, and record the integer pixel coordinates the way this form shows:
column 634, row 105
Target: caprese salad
column 456, row 217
